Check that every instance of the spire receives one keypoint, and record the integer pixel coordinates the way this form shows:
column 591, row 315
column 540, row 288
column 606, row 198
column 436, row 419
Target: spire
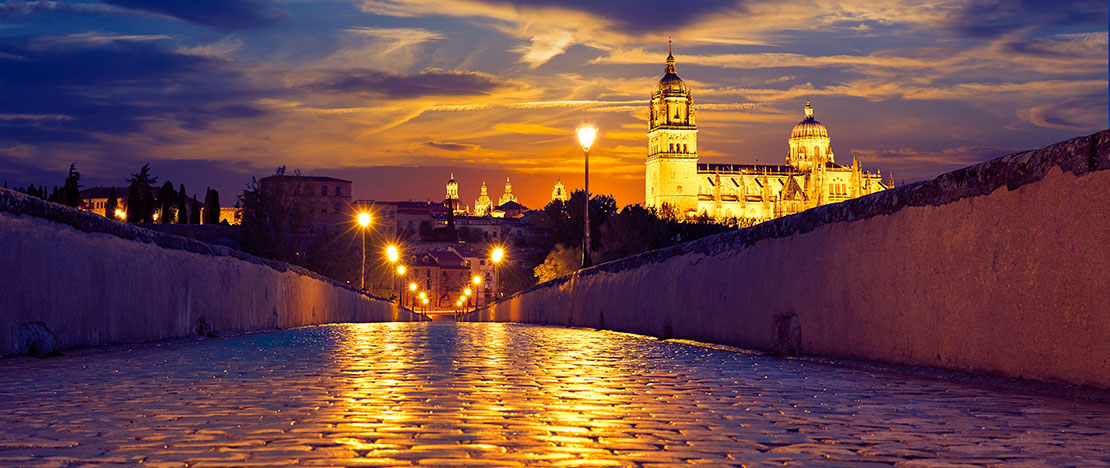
column 670, row 59
column 809, row 110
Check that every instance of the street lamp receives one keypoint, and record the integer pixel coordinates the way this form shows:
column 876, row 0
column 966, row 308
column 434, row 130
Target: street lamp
column 496, row 256
column 401, row 292
column 477, row 280
column 393, row 254
column 467, row 292
column 363, row 220
column 412, row 294
column 586, row 134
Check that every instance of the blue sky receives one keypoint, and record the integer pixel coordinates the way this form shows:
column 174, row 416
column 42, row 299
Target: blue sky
column 398, row 94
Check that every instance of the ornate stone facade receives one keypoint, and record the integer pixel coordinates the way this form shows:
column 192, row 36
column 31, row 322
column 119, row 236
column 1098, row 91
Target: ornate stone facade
column 740, row 193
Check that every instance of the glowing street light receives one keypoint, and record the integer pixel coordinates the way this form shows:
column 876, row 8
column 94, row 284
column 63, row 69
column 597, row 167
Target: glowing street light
column 476, row 280
column 363, row 220
column 393, row 254
column 496, row 256
column 586, row 135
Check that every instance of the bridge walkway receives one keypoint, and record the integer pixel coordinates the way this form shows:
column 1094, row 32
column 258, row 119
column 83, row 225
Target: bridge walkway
column 501, row 394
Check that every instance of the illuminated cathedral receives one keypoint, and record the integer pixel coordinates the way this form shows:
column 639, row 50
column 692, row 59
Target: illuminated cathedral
column 740, row 193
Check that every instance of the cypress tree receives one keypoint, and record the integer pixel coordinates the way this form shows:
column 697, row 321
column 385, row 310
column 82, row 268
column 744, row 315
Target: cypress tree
column 134, row 204
column 182, row 202
column 112, row 204
column 212, row 207
column 194, row 212
column 140, row 207
column 71, row 192
column 166, row 199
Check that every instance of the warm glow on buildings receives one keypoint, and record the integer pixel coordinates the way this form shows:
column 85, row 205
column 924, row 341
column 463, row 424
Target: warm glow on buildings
column 741, row 194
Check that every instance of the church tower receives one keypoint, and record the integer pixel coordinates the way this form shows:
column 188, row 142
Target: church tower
column 508, row 195
column 483, row 205
column 672, row 162
column 559, row 191
column 452, row 189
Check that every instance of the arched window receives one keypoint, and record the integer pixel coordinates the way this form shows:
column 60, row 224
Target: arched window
column 672, row 147
column 684, row 150
column 816, row 152
column 802, row 152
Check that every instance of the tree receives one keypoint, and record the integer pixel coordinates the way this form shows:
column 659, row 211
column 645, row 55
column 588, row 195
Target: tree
column 212, row 207
column 112, row 204
column 167, row 197
column 561, row 261
column 194, row 211
column 71, row 193
column 632, row 231
column 139, row 208
column 182, row 204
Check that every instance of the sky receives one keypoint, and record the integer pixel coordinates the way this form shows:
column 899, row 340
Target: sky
column 398, row 95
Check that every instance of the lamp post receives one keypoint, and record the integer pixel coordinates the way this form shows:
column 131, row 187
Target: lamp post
column 477, row 280
column 412, row 295
column 496, row 256
column 400, row 292
column 392, row 254
column 467, row 292
column 364, row 223
column 586, row 134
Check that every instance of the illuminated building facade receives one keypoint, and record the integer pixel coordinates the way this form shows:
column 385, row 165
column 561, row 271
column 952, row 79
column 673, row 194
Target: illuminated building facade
column 740, row 193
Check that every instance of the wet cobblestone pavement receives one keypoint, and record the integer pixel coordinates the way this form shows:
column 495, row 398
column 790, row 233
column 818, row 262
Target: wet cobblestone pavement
column 443, row 394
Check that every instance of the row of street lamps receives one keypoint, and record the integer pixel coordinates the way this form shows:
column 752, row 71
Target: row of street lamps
column 393, row 254
column 586, row 135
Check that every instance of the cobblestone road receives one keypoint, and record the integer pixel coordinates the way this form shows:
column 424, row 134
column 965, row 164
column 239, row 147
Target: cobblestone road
column 494, row 394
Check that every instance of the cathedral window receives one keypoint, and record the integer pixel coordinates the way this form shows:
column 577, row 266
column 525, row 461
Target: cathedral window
column 684, row 150
column 672, row 147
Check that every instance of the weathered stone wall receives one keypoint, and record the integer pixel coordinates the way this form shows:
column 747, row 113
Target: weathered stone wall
column 93, row 281
column 1001, row 268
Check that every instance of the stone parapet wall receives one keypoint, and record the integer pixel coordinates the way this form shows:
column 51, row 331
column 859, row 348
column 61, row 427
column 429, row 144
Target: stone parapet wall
column 73, row 278
column 997, row 268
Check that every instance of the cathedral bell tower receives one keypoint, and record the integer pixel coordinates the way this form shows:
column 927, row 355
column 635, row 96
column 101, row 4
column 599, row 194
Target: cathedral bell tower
column 672, row 161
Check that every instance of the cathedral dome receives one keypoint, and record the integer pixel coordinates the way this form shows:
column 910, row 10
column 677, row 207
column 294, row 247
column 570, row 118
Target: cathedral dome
column 670, row 83
column 809, row 127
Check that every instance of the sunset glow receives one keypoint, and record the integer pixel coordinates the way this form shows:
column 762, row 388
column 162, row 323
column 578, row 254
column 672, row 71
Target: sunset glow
column 396, row 95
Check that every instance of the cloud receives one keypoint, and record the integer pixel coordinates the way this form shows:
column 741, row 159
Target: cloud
column 451, row 146
column 23, row 8
column 426, row 83
column 911, row 164
column 90, row 39
column 61, row 94
column 1073, row 115
column 218, row 14
column 528, row 129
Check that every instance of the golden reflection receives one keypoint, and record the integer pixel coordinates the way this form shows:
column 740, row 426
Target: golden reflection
column 541, row 394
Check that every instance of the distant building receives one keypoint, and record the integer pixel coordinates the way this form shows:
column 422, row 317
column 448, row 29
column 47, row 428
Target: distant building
column 559, row 192
column 730, row 192
column 483, row 205
column 442, row 274
column 323, row 204
column 95, row 199
column 508, row 195
column 452, row 201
